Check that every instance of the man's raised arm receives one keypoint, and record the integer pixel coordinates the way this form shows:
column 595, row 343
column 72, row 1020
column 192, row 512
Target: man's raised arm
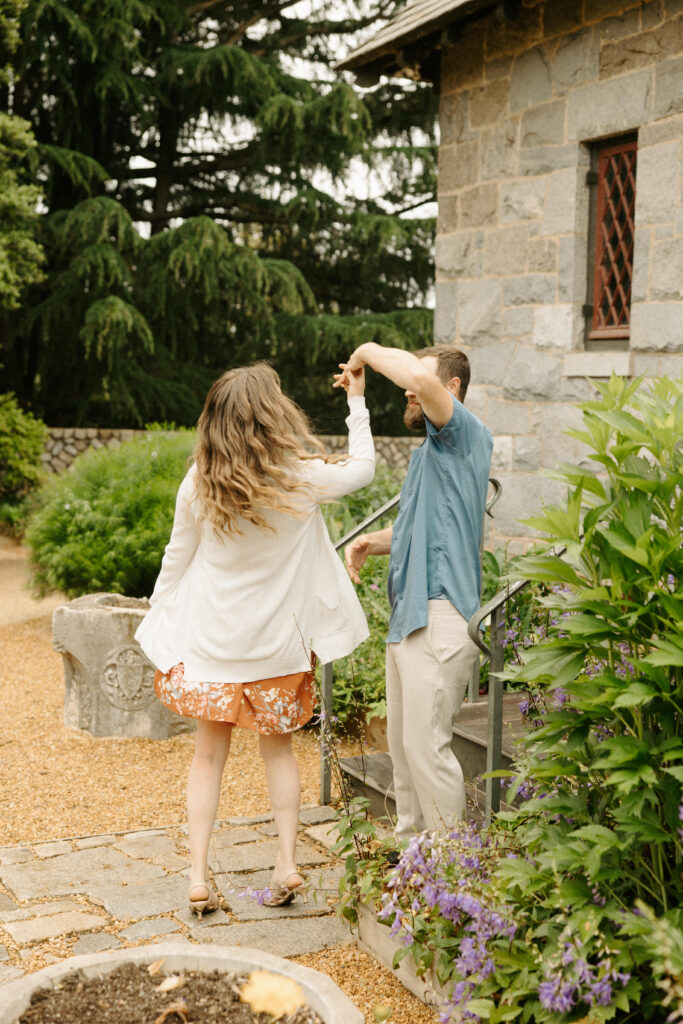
column 407, row 371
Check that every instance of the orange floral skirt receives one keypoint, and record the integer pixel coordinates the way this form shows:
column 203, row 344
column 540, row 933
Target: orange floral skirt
column 270, row 706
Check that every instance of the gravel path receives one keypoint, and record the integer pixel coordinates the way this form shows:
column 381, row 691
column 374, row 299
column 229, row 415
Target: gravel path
column 57, row 782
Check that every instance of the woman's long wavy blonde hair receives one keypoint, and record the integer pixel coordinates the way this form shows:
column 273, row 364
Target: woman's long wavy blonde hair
column 250, row 438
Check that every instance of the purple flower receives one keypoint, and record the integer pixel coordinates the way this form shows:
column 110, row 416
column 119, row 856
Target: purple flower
column 557, row 994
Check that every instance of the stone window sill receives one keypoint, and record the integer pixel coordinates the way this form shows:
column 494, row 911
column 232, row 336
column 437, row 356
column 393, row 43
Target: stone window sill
column 597, row 364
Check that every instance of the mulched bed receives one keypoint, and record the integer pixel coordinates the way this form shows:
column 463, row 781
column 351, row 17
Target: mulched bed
column 129, row 995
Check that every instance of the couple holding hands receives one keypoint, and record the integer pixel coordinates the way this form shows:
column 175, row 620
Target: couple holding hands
column 251, row 592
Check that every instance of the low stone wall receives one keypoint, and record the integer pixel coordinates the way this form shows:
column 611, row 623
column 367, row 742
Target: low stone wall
column 64, row 444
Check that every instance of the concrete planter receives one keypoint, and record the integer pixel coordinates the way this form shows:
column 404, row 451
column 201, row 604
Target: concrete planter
column 320, row 992
column 108, row 681
column 374, row 938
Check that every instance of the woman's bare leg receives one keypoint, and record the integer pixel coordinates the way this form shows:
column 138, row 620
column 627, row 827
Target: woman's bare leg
column 212, row 746
column 284, row 789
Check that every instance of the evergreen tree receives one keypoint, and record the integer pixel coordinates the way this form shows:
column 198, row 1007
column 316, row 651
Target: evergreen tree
column 196, row 160
column 21, row 256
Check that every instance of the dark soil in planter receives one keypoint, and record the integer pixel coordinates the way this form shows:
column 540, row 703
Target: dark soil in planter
column 129, row 995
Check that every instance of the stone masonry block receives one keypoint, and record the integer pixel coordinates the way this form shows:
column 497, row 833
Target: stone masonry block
column 507, row 36
column 559, row 19
column 459, row 254
column 518, row 321
column 505, row 417
column 479, row 313
column 522, row 200
column 463, row 63
column 652, row 13
column 529, row 288
column 597, row 364
column 543, row 254
column 669, row 87
column 526, row 453
column 554, row 326
column 524, row 495
column 621, row 25
column 488, row 103
column 640, row 281
column 642, row 50
column 617, row 105
column 535, row 375
column 597, row 10
column 445, row 312
column 547, row 159
column 666, row 268
column 530, row 80
column 448, row 214
column 499, row 151
column 501, row 458
column 458, row 166
column 559, row 213
column 543, row 124
column 479, row 205
column 454, row 118
column 477, row 401
column 658, row 173
column 505, row 250
column 657, row 326
column 491, row 364
column 576, row 60
column 499, row 68
column 573, row 268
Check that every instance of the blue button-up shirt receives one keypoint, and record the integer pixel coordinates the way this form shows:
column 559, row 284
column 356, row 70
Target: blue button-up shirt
column 437, row 533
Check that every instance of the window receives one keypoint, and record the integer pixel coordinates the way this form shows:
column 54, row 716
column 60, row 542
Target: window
column 610, row 271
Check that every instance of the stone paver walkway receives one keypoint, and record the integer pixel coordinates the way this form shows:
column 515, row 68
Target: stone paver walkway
column 84, row 895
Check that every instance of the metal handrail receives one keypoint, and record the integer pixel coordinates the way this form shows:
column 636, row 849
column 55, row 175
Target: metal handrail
column 495, row 608
column 327, row 670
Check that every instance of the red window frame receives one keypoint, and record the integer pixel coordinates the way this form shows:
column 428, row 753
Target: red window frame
column 614, row 239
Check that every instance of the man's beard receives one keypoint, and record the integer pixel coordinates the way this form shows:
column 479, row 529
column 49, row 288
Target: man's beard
column 413, row 417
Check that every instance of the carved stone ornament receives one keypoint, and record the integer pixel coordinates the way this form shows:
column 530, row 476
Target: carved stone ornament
column 128, row 678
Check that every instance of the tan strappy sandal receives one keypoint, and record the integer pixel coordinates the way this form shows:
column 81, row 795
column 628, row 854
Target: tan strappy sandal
column 204, row 904
column 281, row 895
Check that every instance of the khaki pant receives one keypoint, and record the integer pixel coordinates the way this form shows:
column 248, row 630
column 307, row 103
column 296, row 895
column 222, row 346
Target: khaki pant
column 427, row 676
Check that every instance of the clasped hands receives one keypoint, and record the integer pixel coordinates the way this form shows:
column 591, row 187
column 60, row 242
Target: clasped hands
column 352, row 376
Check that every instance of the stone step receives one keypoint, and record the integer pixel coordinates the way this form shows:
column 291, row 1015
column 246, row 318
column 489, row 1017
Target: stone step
column 370, row 775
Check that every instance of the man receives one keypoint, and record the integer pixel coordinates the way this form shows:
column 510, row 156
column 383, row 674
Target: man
column 434, row 578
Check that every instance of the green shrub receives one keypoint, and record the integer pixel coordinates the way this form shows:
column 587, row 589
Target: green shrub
column 22, row 441
column 103, row 524
column 569, row 907
column 359, row 679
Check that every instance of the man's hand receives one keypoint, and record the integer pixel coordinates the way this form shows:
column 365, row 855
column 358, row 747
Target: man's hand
column 351, row 370
column 353, row 381
column 355, row 555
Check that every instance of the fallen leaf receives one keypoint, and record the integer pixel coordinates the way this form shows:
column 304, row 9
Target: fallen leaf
column 180, row 1008
column 156, row 966
column 382, row 1012
column 272, row 993
column 173, row 981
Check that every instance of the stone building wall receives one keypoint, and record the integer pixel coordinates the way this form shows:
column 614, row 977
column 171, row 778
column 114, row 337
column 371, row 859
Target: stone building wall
column 65, row 443
column 521, row 99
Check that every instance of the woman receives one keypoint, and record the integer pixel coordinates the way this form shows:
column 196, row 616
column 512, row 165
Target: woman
column 250, row 591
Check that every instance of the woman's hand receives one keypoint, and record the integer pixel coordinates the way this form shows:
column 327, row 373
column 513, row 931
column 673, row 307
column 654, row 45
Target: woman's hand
column 352, row 380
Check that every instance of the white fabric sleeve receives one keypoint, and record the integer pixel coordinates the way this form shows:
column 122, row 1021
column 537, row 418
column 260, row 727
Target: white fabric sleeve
column 182, row 545
column 335, row 479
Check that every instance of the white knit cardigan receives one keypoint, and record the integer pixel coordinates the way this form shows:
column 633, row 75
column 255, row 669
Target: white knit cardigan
column 252, row 606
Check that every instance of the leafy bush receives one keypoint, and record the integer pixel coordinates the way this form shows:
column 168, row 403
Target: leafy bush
column 103, row 525
column 22, row 441
column 359, row 691
column 577, row 908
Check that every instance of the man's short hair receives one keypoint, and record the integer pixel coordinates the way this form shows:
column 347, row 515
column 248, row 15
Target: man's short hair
column 450, row 362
